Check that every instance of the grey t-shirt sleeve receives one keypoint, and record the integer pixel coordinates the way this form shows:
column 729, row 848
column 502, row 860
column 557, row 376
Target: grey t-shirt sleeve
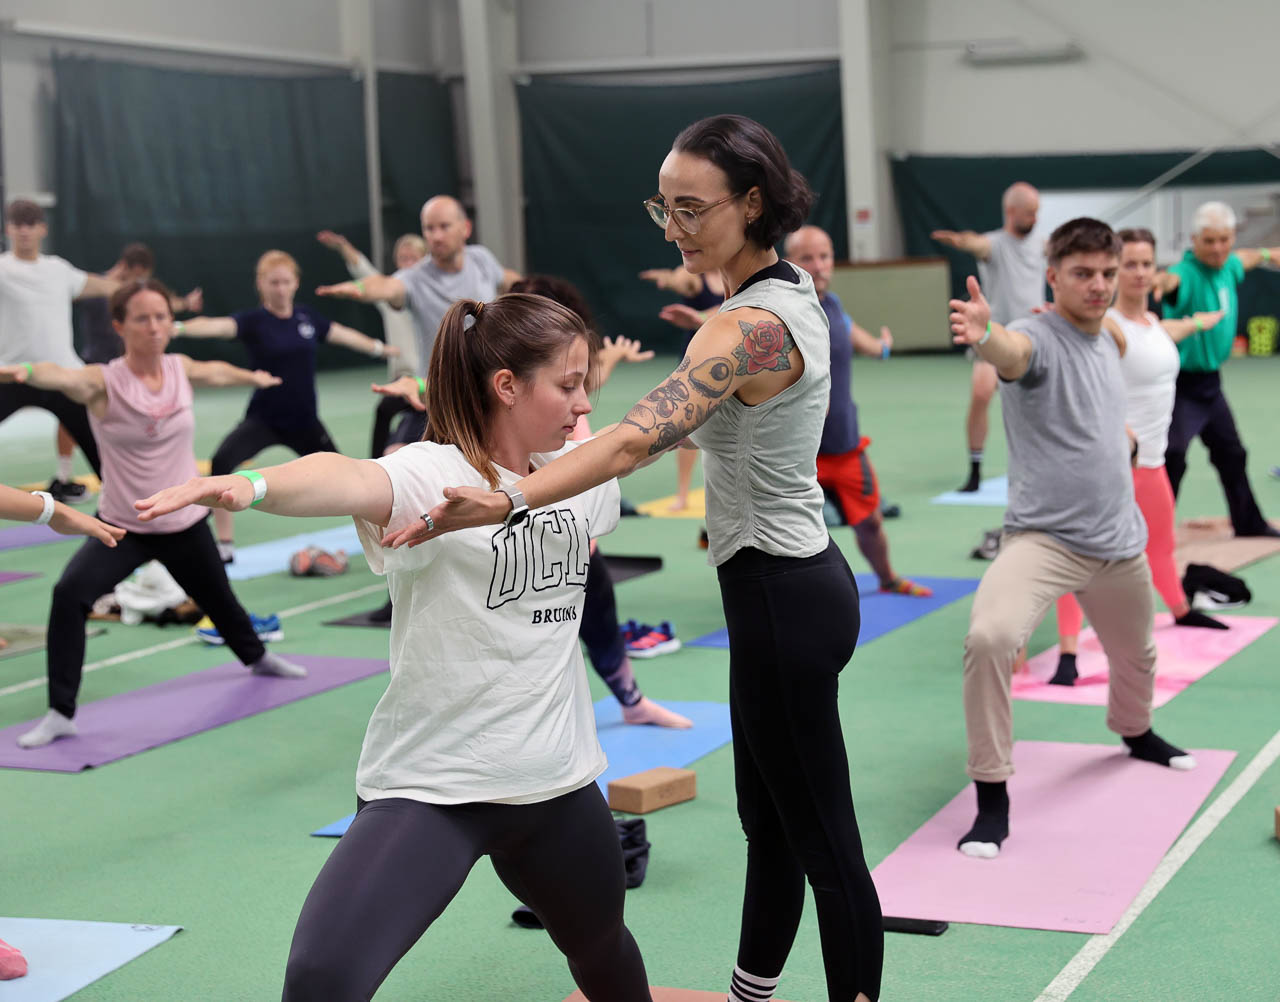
column 1042, row 348
column 489, row 265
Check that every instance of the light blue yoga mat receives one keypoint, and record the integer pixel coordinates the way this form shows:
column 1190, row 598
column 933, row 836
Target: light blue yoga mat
column 991, row 493
column 880, row 612
column 64, row 956
column 632, row 748
column 262, row 559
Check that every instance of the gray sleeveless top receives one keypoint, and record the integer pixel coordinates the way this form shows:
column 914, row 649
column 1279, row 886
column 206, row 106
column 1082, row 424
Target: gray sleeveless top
column 760, row 463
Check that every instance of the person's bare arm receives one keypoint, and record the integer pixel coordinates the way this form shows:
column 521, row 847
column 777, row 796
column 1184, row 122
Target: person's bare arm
column 977, row 244
column 874, row 347
column 676, row 280
column 371, row 289
column 1253, row 257
column 349, row 337
column 84, row 386
column 1182, row 328
column 192, row 302
column 215, row 373
column 23, row 507
column 323, row 483
column 217, row 327
column 337, row 242
column 1165, row 283
column 1009, row 351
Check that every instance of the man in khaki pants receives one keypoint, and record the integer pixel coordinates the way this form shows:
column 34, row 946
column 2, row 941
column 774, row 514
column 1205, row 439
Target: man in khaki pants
column 1071, row 525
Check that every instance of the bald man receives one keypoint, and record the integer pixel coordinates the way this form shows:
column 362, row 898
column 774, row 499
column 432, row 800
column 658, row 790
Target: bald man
column 844, row 469
column 1011, row 269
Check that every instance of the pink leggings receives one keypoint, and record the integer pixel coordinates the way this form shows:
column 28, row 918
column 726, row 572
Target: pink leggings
column 1155, row 499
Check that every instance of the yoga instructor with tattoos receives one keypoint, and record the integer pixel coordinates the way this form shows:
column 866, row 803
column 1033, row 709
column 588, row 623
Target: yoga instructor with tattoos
column 752, row 392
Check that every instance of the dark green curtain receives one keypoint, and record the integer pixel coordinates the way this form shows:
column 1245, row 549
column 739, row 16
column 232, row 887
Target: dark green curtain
column 210, row 170
column 963, row 193
column 591, row 156
column 416, row 140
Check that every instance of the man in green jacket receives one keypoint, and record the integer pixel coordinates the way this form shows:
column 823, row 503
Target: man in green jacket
column 1206, row 279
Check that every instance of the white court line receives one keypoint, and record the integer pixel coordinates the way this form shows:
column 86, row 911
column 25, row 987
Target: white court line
column 169, row 645
column 1079, row 967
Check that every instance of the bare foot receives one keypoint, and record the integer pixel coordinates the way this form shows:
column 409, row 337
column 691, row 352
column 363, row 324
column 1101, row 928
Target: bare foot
column 679, row 504
column 648, row 712
column 3, row 643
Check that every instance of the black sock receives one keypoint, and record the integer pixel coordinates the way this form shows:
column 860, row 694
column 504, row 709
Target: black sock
column 1066, row 673
column 1194, row 618
column 1150, row 747
column 992, row 823
column 975, row 477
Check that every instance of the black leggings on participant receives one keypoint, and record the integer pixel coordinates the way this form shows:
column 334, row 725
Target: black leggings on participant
column 793, row 624
column 401, row 862
column 252, row 435
column 387, row 410
column 190, row 556
column 73, row 416
column 599, row 630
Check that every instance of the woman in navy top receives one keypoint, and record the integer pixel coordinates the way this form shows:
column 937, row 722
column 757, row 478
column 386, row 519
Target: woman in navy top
column 281, row 338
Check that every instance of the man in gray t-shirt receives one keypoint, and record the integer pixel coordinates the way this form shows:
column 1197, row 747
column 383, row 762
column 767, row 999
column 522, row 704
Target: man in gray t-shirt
column 1011, row 270
column 1072, row 525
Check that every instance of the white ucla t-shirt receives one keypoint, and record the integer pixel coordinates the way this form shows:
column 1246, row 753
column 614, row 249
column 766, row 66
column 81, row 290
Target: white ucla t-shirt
column 35, row 310
column 488, row 699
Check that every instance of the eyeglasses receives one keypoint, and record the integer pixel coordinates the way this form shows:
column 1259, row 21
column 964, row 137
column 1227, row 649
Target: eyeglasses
column 689, row 220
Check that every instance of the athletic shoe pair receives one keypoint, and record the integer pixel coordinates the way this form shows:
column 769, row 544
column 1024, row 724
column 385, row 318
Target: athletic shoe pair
column 645, row 641
column 67, row 491
column 266, row 627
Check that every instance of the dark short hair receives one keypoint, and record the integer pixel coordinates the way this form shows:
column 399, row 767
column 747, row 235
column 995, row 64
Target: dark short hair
column 24, row 212
column 138, row 255
column 751, row 157
column 118, row 304
column 1137, row 235
column 1082, row 236
column 561, row 290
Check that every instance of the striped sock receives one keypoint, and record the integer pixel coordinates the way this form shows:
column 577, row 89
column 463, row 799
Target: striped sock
column 975, row 455
column 751, row 987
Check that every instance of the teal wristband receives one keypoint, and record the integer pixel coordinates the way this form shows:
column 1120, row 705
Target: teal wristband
column 259, row 484
column 422, row 386
column 987, row 336
column 884, row 351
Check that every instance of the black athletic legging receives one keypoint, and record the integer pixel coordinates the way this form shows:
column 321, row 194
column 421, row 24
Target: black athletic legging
column 793, row 624
column 252, row 435
column 599, row 630
column 402, row 861
column 384, row 414
column 190, row 556
column 71, row 415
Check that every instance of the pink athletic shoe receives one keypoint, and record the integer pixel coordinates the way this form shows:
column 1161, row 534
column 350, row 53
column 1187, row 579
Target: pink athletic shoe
column 12, row 963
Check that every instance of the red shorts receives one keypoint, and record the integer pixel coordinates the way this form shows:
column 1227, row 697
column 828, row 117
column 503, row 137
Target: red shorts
column 851, row 478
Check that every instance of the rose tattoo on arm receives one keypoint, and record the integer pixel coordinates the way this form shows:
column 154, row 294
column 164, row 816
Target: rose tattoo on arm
column 766, row 346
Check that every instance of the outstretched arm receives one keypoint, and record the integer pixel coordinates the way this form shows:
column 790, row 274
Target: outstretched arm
column 676, row 280
column 410, row 389
column 1009, row 351
column 968, row 241
column 98, row 286
column 23, row 507
column 323, row 483
column 220, row 327
column 865, row 344
column 372, row 289
column 613, row 351
column 225, row 374
column 81, row 385
column 351, row 257
column 349, row 337
column 1253, row 257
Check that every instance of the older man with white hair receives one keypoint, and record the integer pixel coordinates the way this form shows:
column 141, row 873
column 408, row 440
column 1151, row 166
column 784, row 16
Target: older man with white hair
column 1206, row 279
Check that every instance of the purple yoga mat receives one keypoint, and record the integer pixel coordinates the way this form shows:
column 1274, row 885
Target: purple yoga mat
column 1088, row 825
column 123, row 725
column 8, row 576
column 27, row 535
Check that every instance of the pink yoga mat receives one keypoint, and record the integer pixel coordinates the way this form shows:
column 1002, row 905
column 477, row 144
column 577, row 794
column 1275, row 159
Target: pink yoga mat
column 9, row 576
column 1088, row 825
column 1184, row 655
column 131, row 722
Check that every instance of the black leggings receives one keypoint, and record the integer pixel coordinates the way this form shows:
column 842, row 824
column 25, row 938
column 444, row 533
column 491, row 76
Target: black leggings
column 602, row 636
column 402, row 861
column 190, row 556
column 252, row 435
column 793, row 624
column 383, row 415
column 73, row 416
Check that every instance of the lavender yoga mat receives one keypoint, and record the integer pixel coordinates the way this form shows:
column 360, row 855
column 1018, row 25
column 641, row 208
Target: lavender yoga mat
column 1184, row 655
column 1089, row 824
column 123, row 725
column 7, row 576
column 28, row 535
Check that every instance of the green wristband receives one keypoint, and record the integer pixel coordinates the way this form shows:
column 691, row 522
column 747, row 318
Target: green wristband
column 359, row 284
column 179, row 327
column 1199, row 324
column 422, row 386
column 987, row 336
column 1266, row 253
column 259, row 484
column 31, row 369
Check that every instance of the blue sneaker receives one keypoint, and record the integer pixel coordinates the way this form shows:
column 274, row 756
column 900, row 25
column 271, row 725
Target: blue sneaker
column 266, row 627
column 651, row 641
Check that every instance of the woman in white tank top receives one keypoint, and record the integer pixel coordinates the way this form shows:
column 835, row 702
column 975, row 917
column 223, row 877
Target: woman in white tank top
column 1149, row 360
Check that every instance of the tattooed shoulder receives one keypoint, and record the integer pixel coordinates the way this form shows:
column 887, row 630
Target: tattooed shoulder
column 766, row 347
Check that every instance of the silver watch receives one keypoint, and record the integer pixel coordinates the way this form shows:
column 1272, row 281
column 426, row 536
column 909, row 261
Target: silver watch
column 519, row 509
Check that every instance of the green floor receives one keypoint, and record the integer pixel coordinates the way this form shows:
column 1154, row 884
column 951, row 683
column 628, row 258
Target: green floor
column 211, row 832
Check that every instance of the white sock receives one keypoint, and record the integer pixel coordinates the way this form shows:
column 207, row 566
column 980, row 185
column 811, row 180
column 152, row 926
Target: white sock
column 226, row 551
column 751, row 987
column 64, row 469
column 53, row 725
column 271, row 664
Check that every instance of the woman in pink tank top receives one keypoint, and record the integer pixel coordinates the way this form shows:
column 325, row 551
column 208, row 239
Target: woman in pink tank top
column 140, row 409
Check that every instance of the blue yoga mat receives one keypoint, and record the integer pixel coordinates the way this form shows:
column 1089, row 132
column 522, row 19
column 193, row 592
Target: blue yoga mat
column 262, row 559
column 632, row 748
column 991, row 493
column 882, row 613
column 19, row 536
column 65, row 956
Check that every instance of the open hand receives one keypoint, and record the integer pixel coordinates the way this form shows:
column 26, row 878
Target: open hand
column 406, row 388
column 886, row 338
column 624, row 349
column 343, row 290
column 262, row 379
column 70, row 522
column 969, row 319
column 193, row 301
column 232, row 492
column 1209, row 319
column 684, row 317
column 13, row 373
column 462, row 508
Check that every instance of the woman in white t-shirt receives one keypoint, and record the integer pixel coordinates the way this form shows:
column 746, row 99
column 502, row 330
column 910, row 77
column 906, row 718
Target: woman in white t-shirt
column 1149, row 360
column 484, row 742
